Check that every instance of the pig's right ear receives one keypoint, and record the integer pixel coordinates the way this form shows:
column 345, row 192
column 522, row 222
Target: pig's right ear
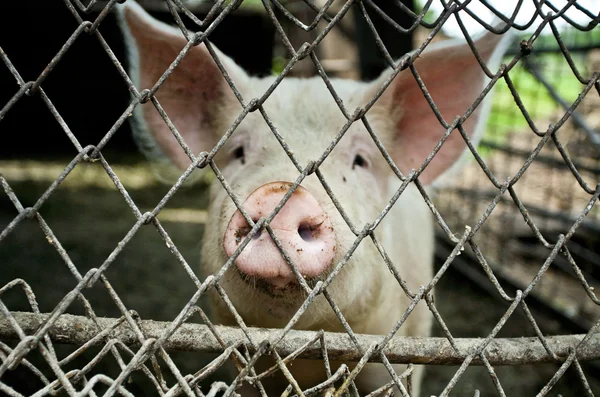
column 193, row 96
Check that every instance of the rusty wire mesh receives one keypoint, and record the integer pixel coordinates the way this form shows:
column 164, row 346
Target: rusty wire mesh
column 145, row 347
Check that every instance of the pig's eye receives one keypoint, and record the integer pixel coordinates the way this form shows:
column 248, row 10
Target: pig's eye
column 238, row 153
column 360, row 161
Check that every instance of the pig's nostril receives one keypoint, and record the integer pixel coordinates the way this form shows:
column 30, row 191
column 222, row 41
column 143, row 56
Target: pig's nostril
column 301, row 227
column 243, row 232
column 306, row 232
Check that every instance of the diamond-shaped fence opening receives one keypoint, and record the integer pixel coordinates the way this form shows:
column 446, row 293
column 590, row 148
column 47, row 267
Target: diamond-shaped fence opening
column 112, row 282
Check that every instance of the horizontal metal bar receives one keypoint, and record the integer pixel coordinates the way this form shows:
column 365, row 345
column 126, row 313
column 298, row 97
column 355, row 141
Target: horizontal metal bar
column 78, row 330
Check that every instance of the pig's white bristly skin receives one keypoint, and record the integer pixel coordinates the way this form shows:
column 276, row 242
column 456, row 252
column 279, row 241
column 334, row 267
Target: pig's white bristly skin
column 306, row 115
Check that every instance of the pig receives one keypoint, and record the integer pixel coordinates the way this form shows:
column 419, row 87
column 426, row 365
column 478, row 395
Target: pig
column 260, row 283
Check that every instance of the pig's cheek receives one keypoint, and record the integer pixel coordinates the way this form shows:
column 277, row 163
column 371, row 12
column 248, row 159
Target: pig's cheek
column 366, row 200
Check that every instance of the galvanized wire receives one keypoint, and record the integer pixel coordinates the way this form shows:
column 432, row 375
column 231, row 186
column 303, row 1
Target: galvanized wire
column 138, row 344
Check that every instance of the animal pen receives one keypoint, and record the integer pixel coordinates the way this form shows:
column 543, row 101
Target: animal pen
column 100, row 291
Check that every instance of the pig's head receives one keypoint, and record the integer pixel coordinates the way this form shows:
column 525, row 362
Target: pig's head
column 202, row 106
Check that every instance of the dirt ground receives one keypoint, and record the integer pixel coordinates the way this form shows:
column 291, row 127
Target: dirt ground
column 89, row 217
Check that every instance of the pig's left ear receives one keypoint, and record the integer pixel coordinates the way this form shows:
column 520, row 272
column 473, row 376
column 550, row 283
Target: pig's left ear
column 454, row 79
column 193, row 96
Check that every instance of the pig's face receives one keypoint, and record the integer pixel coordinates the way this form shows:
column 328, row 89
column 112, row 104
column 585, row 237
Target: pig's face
column 253, row 158
column 313, row 233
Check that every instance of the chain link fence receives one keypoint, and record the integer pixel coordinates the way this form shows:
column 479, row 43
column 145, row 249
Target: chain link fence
column 547, row 189
column 87, row 335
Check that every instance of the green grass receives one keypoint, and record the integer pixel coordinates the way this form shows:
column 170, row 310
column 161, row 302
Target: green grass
column 278, row 65
column 505, row 115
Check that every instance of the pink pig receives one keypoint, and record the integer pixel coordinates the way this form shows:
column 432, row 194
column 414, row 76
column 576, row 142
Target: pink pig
column 261, row 284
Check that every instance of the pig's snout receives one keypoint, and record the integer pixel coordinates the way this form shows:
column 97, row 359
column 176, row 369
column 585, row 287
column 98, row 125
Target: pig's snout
column 302, row 227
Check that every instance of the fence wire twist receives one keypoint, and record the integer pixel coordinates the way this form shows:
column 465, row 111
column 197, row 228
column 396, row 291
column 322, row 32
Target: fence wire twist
column 141, row 345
